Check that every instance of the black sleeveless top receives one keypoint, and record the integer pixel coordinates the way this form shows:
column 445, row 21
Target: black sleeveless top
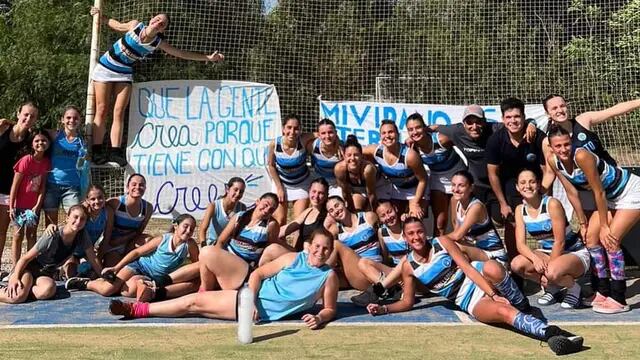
column 307, row 229
column 9, row 151
column 582, row 137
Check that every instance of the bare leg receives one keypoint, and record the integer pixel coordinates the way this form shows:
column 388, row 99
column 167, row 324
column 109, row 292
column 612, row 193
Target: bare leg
column 30, row 234
column 23, row 293
column 123, row 94
column 360, row 203
column 563, row 270
column 440, row 207
column 524, row 267
column 373, row 270
column 50, row 217
column 299, row 206
column 103, row 99
column 221, row 269
column 349, row 260
column 281, row 213
column 212, row 304
column 44, row 288
column 4, row 227
column 105, row 288
column 271, row 253
column 16, row 244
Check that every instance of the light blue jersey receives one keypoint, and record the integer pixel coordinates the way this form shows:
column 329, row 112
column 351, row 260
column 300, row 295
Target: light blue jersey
column 127, row 50
column 64, row 157
column 362, row 240
column 440, row 159
column 399, row 174
column 440, row 274
column 397, row 248
column 164, row 260
column 482, row 235
column 541, row 228
column 292, row 169
column 614, row 179
column 220, row 219
column 295, row 288
column 322, row 164
column 250, row 241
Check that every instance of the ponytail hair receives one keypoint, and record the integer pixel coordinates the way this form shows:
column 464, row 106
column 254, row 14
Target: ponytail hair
column 352, row 140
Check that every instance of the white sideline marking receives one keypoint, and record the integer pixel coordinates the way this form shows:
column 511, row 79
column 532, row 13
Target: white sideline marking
column 299, row 324
column 463, row 317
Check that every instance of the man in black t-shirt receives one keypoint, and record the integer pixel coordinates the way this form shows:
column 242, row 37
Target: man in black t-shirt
column 507, row 153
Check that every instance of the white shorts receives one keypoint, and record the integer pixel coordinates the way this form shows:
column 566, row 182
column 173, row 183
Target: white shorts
column 397, row 193
column 294, row 192
column 585, row 258
column 441, row 181
column 4, row 199
column 102, row 74
column 630, row 197
column 499, row 255
column 470, row 293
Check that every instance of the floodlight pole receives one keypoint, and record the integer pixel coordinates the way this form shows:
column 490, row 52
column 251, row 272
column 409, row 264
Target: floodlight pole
column 93, row 58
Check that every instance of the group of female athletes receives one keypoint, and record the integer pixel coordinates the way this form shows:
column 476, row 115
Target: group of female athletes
column 359, row 221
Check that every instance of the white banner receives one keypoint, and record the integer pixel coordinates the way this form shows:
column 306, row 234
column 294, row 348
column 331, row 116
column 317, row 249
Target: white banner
column 363, row 118
column 188, row 138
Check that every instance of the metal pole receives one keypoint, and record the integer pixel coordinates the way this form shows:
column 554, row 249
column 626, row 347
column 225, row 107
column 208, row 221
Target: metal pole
column 93, row 58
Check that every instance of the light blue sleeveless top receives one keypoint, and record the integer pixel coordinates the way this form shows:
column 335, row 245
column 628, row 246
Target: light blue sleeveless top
column 220, row 219
column 294, row 289
column 164, row 261
column 541, row 228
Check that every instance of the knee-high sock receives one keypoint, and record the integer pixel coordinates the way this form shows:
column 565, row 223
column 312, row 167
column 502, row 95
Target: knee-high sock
column 598, row 262
column 530, row 325
column 616, row 264
column 509, row 289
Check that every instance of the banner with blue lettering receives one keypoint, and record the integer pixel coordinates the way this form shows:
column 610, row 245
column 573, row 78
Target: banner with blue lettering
column 188, row 138
column 363, row 118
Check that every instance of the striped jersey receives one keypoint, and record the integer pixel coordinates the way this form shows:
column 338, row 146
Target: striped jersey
column 127, row 50
column 541, row 228
column 363, row 240
column 292, row 169
column 399, row 173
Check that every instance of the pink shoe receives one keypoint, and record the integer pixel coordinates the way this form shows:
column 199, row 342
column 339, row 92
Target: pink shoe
column 594, row 300
column 610, row 306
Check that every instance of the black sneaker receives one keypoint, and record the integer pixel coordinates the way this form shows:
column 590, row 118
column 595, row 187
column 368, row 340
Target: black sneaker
column 365, row 298
column 524, row 306
column 116, row 155
column 76, row 283
column 98, row 156
column 561, row 341
column 393, row 294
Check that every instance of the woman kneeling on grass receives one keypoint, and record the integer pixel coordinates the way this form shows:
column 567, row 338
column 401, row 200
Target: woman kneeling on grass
column 33, row 273
column 443, row 268
column 290, row 284
column 154, row 260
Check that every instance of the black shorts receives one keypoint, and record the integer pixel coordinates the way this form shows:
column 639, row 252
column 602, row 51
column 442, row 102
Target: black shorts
column 37, row 270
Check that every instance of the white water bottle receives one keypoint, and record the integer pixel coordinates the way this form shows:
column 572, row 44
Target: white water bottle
column 246, row 308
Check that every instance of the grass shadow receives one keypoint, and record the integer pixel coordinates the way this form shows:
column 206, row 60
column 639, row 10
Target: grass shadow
column 278, row 334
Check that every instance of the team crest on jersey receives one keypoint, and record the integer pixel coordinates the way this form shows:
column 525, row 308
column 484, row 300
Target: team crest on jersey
column 547, row 226
column 582, row 136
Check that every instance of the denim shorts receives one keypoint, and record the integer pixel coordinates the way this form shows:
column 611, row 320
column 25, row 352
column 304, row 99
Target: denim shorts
column 60, row 194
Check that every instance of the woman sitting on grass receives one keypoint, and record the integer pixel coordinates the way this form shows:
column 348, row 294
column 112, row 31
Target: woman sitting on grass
column 290, row 284
column 33, row 274
column 154, row 260
column 443, row 268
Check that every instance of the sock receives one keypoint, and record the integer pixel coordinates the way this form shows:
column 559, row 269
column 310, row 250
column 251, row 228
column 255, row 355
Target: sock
column 553, row 289
column 509, row 289
column 161, row 293
column 616, row 264
column 598, row 261
column 602, row 286
column 96, row 149
column 140, row 309
column 574, row 290
column 618, row 291
column 530, row 325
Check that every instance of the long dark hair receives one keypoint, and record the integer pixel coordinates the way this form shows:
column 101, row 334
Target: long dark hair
column 245, row 217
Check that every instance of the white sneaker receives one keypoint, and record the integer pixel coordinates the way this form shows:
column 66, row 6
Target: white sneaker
column 547, row 299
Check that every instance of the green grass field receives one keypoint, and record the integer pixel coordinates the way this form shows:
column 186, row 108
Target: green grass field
column 334, row 342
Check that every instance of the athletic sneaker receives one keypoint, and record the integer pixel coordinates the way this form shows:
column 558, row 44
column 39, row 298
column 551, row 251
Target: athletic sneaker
column 595, row 299
column 561, row 341
column 121, row 308
column 76, row 283
column 99, row 156
column 146, row 291
column 547, row 299
column 366, row 297
column 610, row 306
